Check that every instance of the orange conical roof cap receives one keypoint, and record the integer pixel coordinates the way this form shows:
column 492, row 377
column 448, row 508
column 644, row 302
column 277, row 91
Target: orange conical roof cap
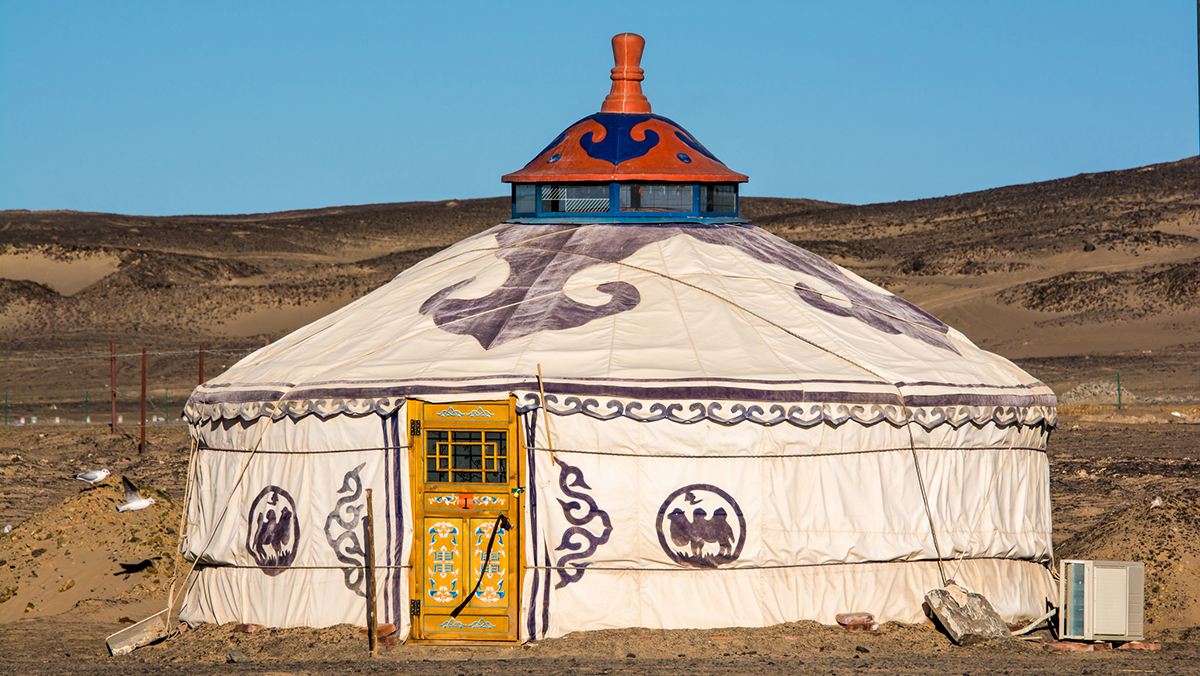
column 625, row 141
column 626, row 94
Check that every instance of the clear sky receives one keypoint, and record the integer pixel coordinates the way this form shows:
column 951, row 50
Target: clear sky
column 214, row 107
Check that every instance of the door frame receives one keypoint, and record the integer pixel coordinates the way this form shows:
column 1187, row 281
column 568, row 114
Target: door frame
column 420, row 412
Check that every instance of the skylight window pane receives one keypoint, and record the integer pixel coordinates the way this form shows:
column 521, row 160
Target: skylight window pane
column 672, row 197
column 574, row 198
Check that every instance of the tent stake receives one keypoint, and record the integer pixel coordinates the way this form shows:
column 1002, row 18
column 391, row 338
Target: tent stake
column 370, row 537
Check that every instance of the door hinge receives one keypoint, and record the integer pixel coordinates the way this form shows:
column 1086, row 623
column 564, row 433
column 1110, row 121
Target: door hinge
column 414, row 607
column 414, row 428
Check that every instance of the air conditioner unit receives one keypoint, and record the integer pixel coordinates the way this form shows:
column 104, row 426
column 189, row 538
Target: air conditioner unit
column 1101, row 600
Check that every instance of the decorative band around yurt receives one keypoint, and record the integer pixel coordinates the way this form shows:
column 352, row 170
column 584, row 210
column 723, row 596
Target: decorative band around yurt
column 955, row 411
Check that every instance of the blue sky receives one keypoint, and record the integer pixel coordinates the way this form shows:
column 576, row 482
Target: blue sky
column 237, row 107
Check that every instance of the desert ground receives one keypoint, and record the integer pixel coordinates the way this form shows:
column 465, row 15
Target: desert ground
column 1077, row 280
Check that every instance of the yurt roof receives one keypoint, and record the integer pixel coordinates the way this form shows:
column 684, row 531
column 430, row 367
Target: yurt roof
column 682, row 322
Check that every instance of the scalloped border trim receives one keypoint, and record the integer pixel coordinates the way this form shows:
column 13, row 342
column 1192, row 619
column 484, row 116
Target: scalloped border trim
column 684, row 412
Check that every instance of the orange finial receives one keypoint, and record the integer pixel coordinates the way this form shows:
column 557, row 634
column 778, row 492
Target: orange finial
column 626, row 95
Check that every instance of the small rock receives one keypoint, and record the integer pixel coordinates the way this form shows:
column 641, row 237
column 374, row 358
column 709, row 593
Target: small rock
column 38, row 552
column 67, row 585
column 861, row 649
column 1088, row 246
column 29, row 608
column 857, row 621
column 235, row 656
column 630, row 655
column 245, row 628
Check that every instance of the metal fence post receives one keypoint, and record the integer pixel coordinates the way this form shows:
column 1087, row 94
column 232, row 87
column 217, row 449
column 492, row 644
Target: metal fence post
column 142, row 445
column 112, row 352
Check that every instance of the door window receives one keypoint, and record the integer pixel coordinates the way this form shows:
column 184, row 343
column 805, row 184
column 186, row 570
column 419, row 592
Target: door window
column 466, row 457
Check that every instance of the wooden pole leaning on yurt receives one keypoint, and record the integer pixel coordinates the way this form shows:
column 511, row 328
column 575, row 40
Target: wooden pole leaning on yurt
column 545, row 414
column 370, row 552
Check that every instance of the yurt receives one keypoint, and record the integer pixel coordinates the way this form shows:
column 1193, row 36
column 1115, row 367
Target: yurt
column 623, row 407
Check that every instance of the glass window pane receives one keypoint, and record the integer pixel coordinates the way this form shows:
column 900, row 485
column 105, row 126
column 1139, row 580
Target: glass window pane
column 501, row 474
column 436, row 456
column 1075, row 598
column 676, row 197
column 466, row 456
column 524, row 198
column 719, row 198
column 574, row 198
column 498, row 439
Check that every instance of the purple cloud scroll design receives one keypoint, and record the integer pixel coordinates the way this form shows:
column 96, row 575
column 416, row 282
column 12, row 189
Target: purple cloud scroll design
column 543, row 257
column 571, row 477
column 532, row 299
column 881, row 311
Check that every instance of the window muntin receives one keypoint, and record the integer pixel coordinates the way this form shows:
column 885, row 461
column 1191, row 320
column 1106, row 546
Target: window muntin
column 579, row 198
column 466, row 457
column 718, row 198
column 524, row 198
column 670, row 197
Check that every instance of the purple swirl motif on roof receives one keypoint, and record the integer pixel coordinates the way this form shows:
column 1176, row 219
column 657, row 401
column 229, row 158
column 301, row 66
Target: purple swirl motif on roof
column 618, row 143
column 532, row 299
column 881, row 311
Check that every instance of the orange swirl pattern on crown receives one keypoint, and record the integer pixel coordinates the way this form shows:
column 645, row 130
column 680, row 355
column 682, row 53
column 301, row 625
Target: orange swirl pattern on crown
column 625, row 141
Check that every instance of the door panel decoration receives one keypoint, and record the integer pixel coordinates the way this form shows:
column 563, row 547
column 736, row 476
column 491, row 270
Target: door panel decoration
column 443, row 562
column 491, row 592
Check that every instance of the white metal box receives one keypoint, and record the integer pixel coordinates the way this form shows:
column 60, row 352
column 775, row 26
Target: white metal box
column 1101, row 600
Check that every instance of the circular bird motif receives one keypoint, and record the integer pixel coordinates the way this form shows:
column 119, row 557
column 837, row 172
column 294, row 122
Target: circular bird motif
column 273, row 530
column 701, row 526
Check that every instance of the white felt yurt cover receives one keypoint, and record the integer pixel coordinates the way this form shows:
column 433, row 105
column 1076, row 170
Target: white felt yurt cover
column 851, row 439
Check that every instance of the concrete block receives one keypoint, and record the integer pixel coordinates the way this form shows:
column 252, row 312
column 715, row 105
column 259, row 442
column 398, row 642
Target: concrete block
column 968, row 617
column 150, row 629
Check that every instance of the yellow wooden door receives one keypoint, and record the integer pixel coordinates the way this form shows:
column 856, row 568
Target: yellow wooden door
column 466, row 464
